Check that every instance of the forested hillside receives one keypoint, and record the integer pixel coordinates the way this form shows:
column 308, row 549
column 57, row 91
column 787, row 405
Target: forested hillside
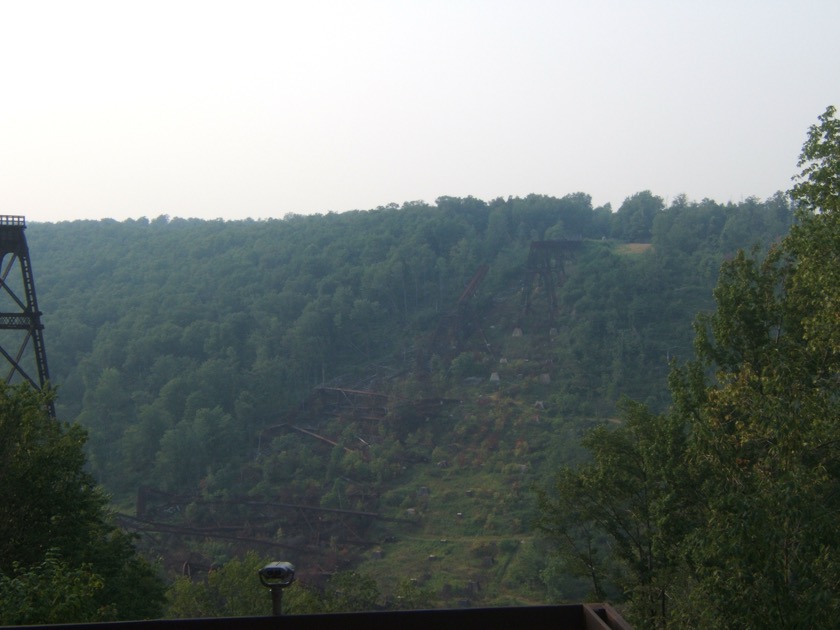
column 411, row 371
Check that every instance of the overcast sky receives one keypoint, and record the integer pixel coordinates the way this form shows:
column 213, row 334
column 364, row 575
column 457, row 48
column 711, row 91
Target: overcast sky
column 258, row 109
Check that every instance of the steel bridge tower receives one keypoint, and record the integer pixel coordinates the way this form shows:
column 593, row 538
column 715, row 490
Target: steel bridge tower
column 546, row 270
column 21, row 331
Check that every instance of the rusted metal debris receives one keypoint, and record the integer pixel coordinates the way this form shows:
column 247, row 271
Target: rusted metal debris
column 429, row 407
column 182, row 500
column 364, row 405
column 546, row 269
column 456, row 326
column 473, row 284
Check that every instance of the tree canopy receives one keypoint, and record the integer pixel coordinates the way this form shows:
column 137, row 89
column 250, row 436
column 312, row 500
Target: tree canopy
column 61, row 559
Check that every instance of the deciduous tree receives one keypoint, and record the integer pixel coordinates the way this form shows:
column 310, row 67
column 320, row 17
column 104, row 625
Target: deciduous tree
column 55, row 532
column 750, row 462
column 765, row 436
column 636, row 495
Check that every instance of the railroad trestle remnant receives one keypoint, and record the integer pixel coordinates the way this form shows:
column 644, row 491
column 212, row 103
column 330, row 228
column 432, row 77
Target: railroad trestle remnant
column 23, row 346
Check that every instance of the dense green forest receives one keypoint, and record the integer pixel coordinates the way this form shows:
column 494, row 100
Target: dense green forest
column 176, row 342
column 373, row 391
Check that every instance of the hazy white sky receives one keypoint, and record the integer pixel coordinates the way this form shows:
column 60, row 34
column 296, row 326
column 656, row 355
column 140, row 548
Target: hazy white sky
column 258, row 109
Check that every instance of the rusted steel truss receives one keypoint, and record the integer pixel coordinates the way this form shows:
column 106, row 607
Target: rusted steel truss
column 546, row 270
column 456, row 326
column 19, row 307
column 163, row 512
column 364, row 405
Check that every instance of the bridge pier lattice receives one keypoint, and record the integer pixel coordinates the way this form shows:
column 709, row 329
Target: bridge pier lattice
column 23, row 347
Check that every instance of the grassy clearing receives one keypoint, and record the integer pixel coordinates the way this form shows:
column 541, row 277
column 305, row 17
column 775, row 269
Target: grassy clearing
column 633, row 248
